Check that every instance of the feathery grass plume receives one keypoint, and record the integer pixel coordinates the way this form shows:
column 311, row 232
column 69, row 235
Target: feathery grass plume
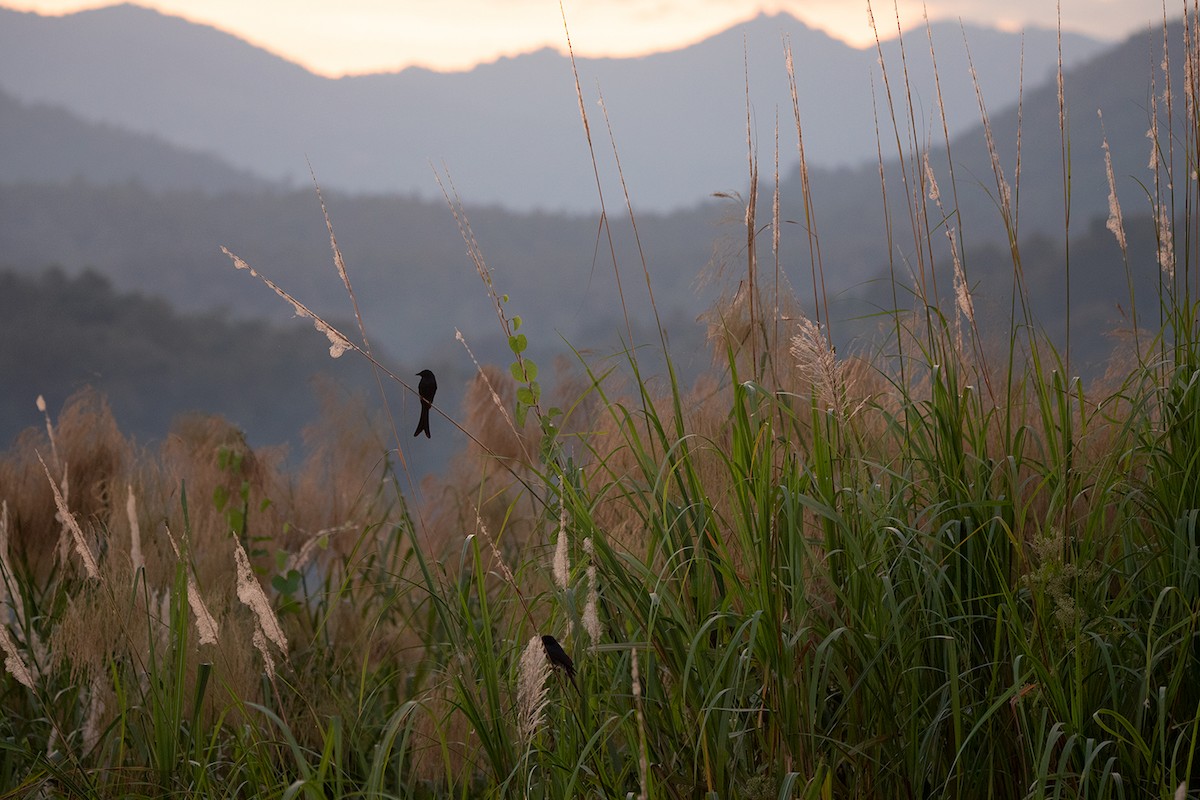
column 1166, row 242
column 1115, row 223
column 508, row 575
column 1002, row 185
column 533, row 689
column 962, row 291
column 934, row 193
column 459, row 212
column 135, row 533
column 41, row 406
column 338, row 343
column 69, row 522
column 562, row 556
column 259, row 640
column 319, row 540
column 818, row 364
column 591, row 613
column 63, row 549
column 250, row 592
column 12, row 659
column 206, row 624
column 1062, row 92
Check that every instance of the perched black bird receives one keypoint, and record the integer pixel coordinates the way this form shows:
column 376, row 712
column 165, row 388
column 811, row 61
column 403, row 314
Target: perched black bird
column 557, row 656
column 427, row 388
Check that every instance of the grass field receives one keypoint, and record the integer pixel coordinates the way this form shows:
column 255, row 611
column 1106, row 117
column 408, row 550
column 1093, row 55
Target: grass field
column 940, row 567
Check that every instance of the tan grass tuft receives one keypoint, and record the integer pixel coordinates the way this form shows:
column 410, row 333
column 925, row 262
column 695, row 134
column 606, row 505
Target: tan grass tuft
column 533, row 689
column 962, row 291
column 562, row 556
column 41, row 406
column 260, row 644
column 935, row 193
column 338, row 343
column 253, row 597
column 591, row 612
column 206, row 624
column 72, row 524
column 13, row 661
column 87, row 438
column 135, row 534
column 817, row 362
column 1116, row 222
column 1166, row 242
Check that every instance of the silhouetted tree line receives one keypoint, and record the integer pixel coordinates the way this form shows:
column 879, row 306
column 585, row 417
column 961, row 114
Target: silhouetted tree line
column 60, row 333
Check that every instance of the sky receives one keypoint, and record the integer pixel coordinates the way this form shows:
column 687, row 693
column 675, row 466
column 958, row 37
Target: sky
column 361, row 36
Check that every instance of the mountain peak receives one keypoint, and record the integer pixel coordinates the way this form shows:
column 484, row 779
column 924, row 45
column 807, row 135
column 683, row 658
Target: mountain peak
column 510, row 127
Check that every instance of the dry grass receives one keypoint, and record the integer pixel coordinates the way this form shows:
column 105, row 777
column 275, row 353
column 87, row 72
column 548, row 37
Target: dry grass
column 324, row 508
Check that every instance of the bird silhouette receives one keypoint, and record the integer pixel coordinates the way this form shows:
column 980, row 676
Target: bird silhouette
column 558, row 657
column 427, row 388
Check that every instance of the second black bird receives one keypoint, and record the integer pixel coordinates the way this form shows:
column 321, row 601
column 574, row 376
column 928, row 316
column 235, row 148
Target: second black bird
column 557, row 656
column 427, row 388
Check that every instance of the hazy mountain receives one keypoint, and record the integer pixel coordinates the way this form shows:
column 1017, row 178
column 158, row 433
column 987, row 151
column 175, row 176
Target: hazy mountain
column 508, row 131
column 418, row 287
column 45, row 144
column 417, row 284
column 406, row 257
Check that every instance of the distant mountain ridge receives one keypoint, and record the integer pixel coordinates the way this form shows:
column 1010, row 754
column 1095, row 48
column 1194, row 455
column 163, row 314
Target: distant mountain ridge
column 508, row 131
column 47, row 144
column 418, row 288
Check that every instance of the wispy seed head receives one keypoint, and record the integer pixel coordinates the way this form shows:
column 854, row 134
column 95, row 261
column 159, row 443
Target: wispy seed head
column 533, row 689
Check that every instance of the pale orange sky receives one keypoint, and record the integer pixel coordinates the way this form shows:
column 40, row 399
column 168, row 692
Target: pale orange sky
column 356, row 36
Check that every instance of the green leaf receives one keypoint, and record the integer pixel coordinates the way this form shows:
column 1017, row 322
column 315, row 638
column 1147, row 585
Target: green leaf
column 515, row 370
column 287, row 585
column 531, row 371
column 525, row 397
column 522, row 410
column 518, row 343
column 516, row 323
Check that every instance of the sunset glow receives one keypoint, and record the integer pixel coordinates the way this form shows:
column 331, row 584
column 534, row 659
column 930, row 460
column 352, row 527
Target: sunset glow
column 357, row 36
